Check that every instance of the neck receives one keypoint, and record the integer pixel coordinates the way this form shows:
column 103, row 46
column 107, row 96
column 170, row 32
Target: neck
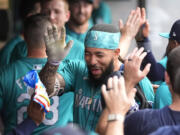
column 176, row 102
column 80, row 29
column 37, row 53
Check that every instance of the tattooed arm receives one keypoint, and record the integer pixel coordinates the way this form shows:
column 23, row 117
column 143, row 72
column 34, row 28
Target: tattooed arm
column 56, row 50
column 51, row 79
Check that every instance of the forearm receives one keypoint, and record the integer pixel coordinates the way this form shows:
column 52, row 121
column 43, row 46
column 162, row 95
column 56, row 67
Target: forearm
column 124, row 45
column 48, row 76
column 115, row 128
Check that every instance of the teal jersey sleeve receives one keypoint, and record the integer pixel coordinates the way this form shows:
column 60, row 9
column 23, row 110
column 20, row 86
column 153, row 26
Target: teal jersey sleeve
column 147, row 88
column 68, row 70
column 102, row 14
column 163, row 96
column 5, row 53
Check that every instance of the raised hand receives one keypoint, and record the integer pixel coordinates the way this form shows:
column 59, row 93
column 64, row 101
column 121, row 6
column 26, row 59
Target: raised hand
column 56, row 47
column 144, row 29
column 132, row 24
column 129, row 30
column 117, row 100
column 132, row 71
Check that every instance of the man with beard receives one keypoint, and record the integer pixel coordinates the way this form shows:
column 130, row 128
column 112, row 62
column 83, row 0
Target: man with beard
column 80, row 21
column 86, row 77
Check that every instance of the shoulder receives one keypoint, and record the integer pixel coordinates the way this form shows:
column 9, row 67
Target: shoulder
column 141, row 121
column 72, row 65
column 167, row 130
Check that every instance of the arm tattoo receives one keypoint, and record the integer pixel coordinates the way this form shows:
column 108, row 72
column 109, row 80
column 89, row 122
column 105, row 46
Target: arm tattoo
column 48, row 77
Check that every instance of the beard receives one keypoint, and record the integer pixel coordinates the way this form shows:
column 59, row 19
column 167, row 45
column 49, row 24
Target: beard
column 104, row 77
column 78, row 21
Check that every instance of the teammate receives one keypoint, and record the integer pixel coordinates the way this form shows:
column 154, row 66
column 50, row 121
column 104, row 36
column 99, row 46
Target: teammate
column 14, row 96
column 79, row 22
column 147, row 121
column 27, row 8
column 101, row 12
column 85, row 78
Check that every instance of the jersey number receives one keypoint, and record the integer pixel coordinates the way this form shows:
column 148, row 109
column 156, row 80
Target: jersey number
column 47, row 121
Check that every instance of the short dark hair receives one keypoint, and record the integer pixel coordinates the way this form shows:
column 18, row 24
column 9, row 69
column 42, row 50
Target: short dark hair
column 173, row 68
column 34, row 28
column 105, row 28
column 26, row 7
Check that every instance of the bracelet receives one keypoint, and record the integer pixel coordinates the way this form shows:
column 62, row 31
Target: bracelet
column 115, row 117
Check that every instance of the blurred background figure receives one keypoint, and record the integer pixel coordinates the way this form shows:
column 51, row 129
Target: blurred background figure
column 101, row 12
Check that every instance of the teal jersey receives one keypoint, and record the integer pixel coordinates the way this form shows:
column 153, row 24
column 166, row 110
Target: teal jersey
column 5, row 53
column 163, row 62
column 14, row 97
column 102, row 14
column 163, row 96
column 147, row 89
column 87, row 104
column 80, row 37
column 76, row 52
column 20, row 51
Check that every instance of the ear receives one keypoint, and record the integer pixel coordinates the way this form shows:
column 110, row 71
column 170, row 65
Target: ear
column 176, row 43
column 68, row 14
column 167, row 79
column 117, row 52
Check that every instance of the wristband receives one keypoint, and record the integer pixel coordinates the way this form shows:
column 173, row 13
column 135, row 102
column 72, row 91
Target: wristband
column 115, row 117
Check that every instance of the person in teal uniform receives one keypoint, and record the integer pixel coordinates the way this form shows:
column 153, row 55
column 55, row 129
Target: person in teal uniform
column 28, row 8
column 86, row 77
column 101, row 12
column 14, row 93
column 5, row 53
column 156, row 75
column 48, row 8
column 80, row 20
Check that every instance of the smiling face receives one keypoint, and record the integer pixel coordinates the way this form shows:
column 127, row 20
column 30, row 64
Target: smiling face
column 58, row 12
column 100, row 62
column 80, row 12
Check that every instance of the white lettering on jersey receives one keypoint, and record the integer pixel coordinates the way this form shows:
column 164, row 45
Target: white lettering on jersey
column 82, row 102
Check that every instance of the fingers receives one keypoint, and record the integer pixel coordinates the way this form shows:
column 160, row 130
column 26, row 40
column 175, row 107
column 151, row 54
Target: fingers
column 146, row 69
column 50, row 34
column 115, row 83
column 63, row 34
column 104, row 91
column 143, row 15
column 68, row 46
column 109, row 84
column 130, row 17
column 131, row 55
column 46, row 39
column 121, row 85
column 136, row 17
column 55, row 32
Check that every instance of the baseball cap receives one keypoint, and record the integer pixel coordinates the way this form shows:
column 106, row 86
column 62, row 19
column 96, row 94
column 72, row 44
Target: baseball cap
column 174, row 33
